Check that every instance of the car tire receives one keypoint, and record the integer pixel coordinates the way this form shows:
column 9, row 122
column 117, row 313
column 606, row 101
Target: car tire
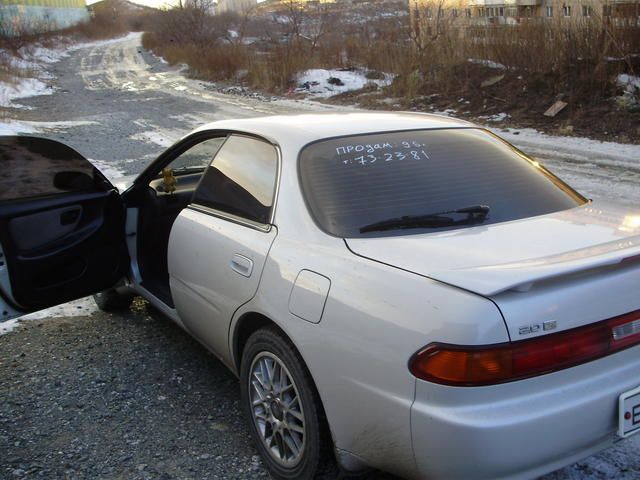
column 113, row 300
column 285, row 417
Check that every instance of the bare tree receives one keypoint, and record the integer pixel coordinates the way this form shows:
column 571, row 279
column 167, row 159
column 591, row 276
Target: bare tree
column 426, row 24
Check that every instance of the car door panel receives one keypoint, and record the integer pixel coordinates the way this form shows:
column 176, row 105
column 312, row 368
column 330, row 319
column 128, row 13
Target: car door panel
column 63, row 238
column 38, row 229
column 214, row 267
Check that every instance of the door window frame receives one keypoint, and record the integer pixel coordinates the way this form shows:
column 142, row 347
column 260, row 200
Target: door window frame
column 174, row 151
column 184, row 144
column 263, row 227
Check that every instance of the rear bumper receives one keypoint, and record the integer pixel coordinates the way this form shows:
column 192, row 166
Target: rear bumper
column 521, row 429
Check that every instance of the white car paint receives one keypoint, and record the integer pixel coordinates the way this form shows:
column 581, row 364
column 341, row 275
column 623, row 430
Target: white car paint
column 517, row 254
column 376, row 315
column 204, row 285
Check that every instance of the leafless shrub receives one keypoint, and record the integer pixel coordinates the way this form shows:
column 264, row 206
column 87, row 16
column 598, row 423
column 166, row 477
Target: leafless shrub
column 428, row 56
column 572, row 58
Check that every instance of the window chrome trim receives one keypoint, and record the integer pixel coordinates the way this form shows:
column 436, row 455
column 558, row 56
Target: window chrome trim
column 276, row 190
column 230, row 217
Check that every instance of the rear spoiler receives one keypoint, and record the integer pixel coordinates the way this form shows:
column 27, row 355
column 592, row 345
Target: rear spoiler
column 492, row 280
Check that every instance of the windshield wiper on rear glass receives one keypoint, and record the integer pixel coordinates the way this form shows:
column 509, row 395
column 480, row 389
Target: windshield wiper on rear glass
column 473, row 214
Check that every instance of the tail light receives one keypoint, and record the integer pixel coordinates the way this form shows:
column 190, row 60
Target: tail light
column 459, row 365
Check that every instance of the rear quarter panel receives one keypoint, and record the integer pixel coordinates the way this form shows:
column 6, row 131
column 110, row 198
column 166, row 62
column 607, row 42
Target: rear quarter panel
column 374, row 319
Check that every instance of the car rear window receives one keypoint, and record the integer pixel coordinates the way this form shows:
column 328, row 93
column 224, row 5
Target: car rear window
column 355, row 181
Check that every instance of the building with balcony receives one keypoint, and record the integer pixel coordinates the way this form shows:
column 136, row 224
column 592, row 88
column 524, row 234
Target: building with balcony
column 426, row 14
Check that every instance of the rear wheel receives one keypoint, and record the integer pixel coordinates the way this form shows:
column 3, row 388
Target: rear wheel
column 113, row 300
column 285, row 414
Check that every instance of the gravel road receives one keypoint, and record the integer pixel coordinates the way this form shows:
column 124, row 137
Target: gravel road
column 131, row 396
column 127, row 396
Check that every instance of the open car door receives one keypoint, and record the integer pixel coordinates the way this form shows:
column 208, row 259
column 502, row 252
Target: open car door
column 62, row 234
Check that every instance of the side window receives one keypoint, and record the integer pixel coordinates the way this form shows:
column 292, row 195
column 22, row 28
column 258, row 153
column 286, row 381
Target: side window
column 34, row 167
column 198, row 156
column 241, row 180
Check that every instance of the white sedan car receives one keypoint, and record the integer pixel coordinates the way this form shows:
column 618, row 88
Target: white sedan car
column 403, row 292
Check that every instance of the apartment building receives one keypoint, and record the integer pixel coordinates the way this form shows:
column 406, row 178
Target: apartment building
column 513, row 12
column 237, row 6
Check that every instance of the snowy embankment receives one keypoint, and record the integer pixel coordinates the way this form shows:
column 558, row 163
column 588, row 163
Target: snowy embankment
column 26, row 75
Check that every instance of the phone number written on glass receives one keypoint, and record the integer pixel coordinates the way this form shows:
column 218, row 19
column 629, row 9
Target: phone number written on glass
column 370, row 153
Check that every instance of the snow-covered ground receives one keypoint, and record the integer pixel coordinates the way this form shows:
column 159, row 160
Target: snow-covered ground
column 322, row 83
column 606, row 154
column 14, row 127
column 22, row 88
column 33, row 77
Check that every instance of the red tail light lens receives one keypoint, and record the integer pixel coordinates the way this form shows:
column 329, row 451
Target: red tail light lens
column 491, row 364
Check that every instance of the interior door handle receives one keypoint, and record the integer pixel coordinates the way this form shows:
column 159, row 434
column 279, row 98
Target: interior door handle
column 69, row 217
column 242, row 265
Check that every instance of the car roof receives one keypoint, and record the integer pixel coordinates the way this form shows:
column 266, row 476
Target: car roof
column 299, row 130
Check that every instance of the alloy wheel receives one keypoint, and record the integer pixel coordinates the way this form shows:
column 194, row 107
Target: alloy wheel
column 277, row 409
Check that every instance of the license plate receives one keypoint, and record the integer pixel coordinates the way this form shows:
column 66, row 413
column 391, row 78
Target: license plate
column 629, row 413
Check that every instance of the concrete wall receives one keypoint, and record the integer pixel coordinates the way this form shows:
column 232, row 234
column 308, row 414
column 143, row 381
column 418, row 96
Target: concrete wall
column 33, row 16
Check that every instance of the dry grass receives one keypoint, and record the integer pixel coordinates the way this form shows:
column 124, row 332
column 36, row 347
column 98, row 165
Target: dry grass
column 551, row 56
column 203, row 42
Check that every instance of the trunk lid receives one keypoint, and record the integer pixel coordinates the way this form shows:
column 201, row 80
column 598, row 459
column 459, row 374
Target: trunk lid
column 571, row 267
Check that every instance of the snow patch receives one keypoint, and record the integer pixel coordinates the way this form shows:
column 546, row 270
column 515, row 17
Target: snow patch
column 498, row 117
column 487, row 63
column 630, row 83
column 12, row 127
column 22, row 88
column 153, row 137
column 77, row 308
column 15, row 128
column 316, row 82
column 449, row 112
